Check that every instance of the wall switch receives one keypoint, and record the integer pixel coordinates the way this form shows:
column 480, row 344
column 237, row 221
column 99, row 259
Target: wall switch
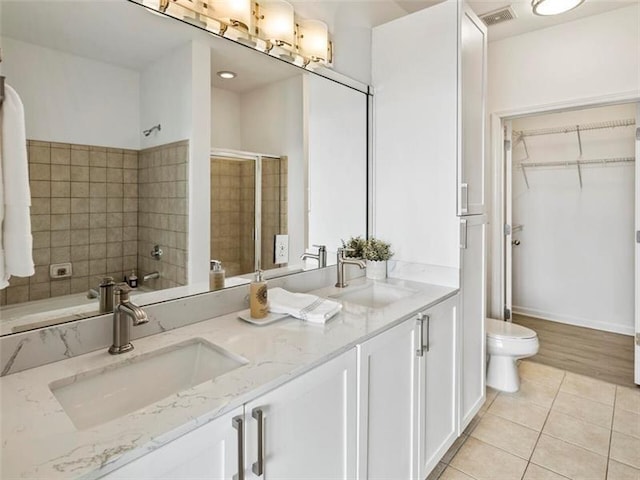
column 60, row 270
column 281, row 254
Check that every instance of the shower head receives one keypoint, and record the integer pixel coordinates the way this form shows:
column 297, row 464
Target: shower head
column 148, row 132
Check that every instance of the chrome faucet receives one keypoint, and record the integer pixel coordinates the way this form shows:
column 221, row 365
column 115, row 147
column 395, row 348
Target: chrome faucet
column 151, row 276
column 320, row 257
column 124, row 311
column 342, row 261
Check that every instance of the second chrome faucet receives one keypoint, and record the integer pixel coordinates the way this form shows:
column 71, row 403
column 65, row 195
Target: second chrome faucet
column 342, row 261
column 125, row 313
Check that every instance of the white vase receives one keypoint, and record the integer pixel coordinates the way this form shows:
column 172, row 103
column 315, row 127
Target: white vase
column 376, row 270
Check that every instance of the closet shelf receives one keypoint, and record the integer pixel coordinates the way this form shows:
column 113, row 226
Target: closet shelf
column 517, row 134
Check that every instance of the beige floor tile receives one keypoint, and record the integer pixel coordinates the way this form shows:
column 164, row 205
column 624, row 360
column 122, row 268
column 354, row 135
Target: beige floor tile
column 584, row 409
column 491, row 395
column 628, row 399
column 454, row 449
column 578, row 432
column 519, row 411
column 625, row 449
column 590, row 388
column 537, row 372
column 452, row 474
column 534, row 472
column 483, row 461
column 620, row 471
column 437, row 471
column 507, row 435
column 539, row 393
column 569, row 460
column 626, row 422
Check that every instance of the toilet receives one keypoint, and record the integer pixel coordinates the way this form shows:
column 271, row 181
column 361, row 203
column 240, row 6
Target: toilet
column 507, row 343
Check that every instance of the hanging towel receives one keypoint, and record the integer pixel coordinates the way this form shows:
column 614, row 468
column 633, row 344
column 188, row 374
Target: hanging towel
column 15, row 232
column 301, row 305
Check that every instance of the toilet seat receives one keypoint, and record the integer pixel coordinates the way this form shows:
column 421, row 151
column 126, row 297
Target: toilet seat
column 500, row 330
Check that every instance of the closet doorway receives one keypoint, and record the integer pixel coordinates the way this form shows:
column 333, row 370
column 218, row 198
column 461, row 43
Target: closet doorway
column 570, row 262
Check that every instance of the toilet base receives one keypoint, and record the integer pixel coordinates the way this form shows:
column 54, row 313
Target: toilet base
column 502, row 373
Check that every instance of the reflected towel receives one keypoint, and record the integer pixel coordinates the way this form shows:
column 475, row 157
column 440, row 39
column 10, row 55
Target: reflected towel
column 15, row 197
column 302, row 305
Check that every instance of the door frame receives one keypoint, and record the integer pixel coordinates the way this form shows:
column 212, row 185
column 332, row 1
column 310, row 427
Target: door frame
column 495, row 281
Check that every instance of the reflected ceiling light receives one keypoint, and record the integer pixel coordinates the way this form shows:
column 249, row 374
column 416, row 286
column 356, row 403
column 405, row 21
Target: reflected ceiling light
column 226, row 74
column 313, row 40
column 554, row 7
column 277, row 24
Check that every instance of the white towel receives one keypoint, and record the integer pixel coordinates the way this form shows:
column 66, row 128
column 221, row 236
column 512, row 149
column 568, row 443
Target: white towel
column 15, row 231
column 302, row 305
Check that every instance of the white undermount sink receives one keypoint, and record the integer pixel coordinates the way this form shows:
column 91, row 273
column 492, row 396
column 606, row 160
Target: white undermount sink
column 374, row 295
column 101, row 395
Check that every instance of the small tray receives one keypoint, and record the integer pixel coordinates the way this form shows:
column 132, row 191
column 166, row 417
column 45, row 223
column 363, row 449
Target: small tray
column 270, row 318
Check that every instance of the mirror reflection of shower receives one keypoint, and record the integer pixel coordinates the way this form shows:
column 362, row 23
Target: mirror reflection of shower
column 249, row 196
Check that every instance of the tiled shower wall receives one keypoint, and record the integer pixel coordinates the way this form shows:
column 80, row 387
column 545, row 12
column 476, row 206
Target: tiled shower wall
column 274, row 207
column 84, row 211
column 163, row 213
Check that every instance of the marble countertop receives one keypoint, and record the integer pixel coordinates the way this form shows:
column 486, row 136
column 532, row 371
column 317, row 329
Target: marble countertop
column 39, row 441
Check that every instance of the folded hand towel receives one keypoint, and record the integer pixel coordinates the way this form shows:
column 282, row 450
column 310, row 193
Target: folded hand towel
column 301, row 305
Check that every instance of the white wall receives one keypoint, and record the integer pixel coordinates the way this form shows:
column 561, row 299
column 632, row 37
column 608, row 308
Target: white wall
column 337, row 150
column 575, row 63
column 272, row 123
column 72, row 99
column 225, row 119
column 576, row 258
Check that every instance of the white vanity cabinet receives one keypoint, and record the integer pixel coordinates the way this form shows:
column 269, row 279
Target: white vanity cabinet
column 210, row 452
column 306, row 429
column 408, row 395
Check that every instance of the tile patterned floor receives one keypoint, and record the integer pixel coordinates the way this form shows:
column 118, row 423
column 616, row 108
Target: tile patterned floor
column 560, row 425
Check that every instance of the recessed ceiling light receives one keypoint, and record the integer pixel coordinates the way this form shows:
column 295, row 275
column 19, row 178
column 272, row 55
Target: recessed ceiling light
column 554, row 7
column 226, row 74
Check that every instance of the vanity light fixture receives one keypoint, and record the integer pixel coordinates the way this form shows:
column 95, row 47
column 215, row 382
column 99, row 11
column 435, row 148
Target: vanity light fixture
column 277, row 27
column 237, row 13
column 313, row 41
column 226, row 74
column 554, row 7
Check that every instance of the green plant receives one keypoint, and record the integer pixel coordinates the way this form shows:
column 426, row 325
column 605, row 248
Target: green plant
column 357, row 244
column 377, row 250
column 371, row 249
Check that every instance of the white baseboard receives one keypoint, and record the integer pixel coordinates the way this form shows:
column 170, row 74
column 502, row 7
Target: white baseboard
column 580, row 322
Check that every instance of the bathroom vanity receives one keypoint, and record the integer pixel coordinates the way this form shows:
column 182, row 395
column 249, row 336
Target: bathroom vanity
column 373, row 391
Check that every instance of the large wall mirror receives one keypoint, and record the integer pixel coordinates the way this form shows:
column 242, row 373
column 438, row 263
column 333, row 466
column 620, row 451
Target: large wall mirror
column 144, row 159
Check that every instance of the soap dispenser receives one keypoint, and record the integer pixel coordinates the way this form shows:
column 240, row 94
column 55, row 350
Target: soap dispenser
column 216, row 275
column 258, row 296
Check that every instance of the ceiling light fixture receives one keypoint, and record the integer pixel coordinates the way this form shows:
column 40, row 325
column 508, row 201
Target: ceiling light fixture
column 226, row 74
column 554, row 7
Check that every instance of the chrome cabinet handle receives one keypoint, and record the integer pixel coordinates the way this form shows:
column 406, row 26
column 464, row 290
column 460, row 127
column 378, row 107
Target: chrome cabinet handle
column 463, row 233
column 258, row 467
column 238, row 424
column 420, row 323
column 428, row 332
column 464, row 198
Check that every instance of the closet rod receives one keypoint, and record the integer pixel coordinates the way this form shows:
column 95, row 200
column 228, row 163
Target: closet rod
column 573, row 163
column 575, row 128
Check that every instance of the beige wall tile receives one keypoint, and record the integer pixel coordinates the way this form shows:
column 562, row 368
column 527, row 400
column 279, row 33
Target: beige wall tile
column 483, row 461
column 518, row 411
column 97, row 220
column 61, row 238
column 41, row 239
column 79, row 157
column 79, row 173
column 60, row 205
column 41, row 275
column 589, row 388
column 39, row 154
column 114, row 175
column 584, row 409
column 97, row 174
column 40, row 291
column 115, row 159
column 40, row 223
column 60, row 287
column 17, row 294
column 620, row 471
column 60, row 173
column 40, row 206
column 60, row 254
column 39, row 171
column 97, row 158
column 509, row 436
column 79, row 252
column 80, row 190
column 40, row 188
column 569, row 460
column 97, row 235
column 578, row 432
column 116, row 190
column 97, row 251
column 97, row 190
column 97, row 267
column 60, row 189
column 79, row 221
column 61, row 156
column 97, row 205
column 41, row 256
column 625, row 449
column 80, row 284
column 81, row 268
column 80, row 237
column 60, row 221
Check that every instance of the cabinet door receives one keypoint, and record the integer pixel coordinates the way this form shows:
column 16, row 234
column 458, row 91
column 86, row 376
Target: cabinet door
column 308, row 426
column 210, row 452
column 472, row 338
column 387, row 387
column 438, row 385
column 473, row 53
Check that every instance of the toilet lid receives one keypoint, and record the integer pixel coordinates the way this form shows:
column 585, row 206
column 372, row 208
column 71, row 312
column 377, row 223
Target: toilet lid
column 506, row 330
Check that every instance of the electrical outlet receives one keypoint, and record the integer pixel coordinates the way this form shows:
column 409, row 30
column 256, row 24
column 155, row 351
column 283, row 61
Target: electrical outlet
column 60, row 270
column 281, row 254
